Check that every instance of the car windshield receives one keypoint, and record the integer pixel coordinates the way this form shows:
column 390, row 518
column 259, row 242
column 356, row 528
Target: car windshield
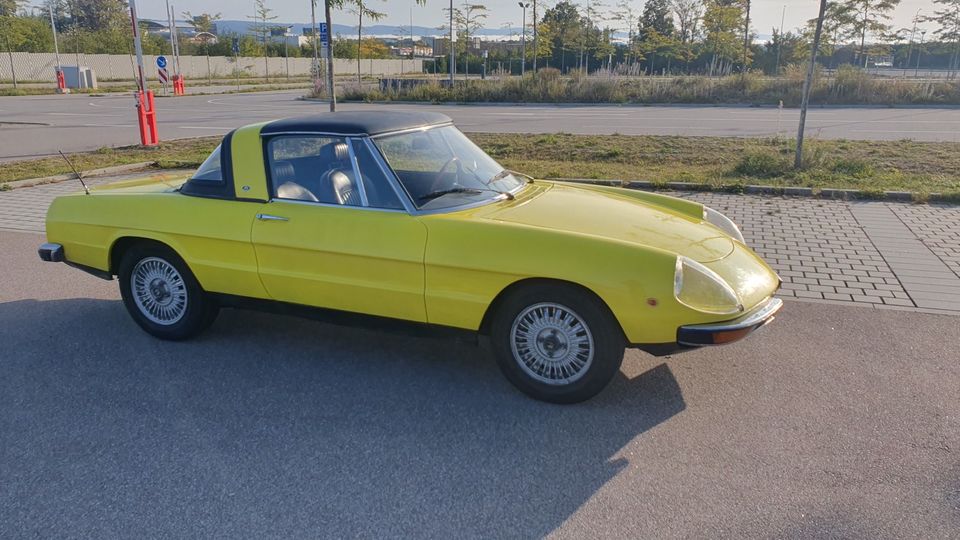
column 441, row 168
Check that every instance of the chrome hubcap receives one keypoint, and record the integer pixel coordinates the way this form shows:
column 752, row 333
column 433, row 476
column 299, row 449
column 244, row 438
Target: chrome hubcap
column 551, row 343
column 159, row 291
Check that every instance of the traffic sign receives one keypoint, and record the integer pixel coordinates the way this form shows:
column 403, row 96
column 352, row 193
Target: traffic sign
column 324, row 34
column 163, row 75
column 161, row 62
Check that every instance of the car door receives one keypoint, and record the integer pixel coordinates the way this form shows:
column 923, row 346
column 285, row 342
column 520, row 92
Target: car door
column 336, row 233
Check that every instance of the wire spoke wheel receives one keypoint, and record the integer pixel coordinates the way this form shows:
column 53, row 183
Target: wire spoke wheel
column 159, row 291
column 552, row 344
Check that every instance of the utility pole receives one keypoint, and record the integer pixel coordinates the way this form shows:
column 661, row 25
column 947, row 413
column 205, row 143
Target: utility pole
column 61, row 87
column 316, row 45
column 807, row 84
column 523, row 39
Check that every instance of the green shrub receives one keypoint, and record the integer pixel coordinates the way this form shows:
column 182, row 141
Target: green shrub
column 857, row 168
column 760, row 164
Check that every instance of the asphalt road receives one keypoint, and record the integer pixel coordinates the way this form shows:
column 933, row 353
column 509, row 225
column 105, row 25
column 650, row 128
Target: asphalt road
column 832, row 422
column 40, row 125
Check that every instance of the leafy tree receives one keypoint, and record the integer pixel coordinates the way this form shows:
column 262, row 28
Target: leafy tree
column 722, row 22
column 657, row 17
column 688, row 13
column 561, row 26
column 204, row 22
column 97, row 15
column 948, row 19
column 870, row 17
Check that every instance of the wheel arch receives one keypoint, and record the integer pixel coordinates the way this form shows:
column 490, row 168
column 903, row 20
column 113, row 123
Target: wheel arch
column 518, row 285
column 124, row 243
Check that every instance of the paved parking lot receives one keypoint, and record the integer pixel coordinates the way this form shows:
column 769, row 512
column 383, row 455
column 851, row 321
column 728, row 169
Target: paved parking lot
column 832, row 422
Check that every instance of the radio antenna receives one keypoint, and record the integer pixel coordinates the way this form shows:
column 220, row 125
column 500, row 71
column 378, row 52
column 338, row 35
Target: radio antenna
column 76, row 172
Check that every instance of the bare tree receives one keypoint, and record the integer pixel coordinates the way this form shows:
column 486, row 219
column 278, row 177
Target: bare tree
column 261, row 27
column 871, row 17
column 360, row 9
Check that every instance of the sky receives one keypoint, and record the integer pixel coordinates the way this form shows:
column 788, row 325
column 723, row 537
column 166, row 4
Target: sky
column 766, row 14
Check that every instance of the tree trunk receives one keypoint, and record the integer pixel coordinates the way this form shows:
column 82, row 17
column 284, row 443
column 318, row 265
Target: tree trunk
column 359, row 38
column 331, row 89
column 807, row 84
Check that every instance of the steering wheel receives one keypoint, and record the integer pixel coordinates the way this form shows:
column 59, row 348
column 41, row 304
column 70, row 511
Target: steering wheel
column 439, row 176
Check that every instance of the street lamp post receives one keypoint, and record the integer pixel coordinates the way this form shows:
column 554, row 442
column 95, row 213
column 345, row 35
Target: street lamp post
column 523, row 39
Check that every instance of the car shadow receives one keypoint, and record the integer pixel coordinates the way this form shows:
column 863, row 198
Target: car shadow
column 269, row 425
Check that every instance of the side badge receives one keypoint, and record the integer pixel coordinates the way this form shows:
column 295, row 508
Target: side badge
column 245, row 188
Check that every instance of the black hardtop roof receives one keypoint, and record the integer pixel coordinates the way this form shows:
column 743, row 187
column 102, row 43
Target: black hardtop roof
column 357, row 122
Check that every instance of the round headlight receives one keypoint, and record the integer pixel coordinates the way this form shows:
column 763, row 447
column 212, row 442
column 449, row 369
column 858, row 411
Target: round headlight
column 722, row 222
column 700, row 288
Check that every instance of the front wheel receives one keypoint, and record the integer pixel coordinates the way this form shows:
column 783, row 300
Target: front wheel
column 162, row 295
column 557, row 343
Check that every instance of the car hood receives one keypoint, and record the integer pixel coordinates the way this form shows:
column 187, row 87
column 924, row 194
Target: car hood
column 608, row 215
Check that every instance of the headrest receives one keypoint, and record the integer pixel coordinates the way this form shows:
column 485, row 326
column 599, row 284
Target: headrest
column 283, row 171
column 336, row 151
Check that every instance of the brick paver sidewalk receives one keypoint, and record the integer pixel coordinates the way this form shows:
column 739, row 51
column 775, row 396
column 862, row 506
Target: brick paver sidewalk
column 888, row 255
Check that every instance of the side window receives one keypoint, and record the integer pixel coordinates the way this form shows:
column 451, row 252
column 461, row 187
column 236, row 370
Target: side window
column 312, row 168
column 380, row 193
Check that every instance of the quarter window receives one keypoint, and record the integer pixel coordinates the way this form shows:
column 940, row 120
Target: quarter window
column 210, row 170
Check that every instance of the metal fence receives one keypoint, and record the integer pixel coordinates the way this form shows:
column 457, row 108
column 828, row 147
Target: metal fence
column 39, row 67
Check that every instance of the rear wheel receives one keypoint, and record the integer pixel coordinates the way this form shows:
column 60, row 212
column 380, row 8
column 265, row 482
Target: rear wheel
column 557, row 343
column 162, row 295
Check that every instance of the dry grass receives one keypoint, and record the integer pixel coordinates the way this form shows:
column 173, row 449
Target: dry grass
column 848, row 86
column 873, row 166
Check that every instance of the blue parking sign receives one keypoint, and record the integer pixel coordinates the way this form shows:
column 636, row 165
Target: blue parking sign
column 324, row 35
column 161, row 62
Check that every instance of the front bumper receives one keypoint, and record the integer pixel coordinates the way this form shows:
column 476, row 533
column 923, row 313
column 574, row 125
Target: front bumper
column 698, row 335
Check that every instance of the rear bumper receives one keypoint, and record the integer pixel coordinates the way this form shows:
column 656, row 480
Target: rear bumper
column 51, row 252
column 54, row 253
column 699, row 335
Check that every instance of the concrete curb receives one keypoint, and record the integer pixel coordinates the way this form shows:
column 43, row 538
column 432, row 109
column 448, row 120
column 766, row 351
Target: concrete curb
column 106, row 171
column 789, row 191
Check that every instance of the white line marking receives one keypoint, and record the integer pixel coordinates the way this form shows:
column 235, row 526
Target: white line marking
column 901, row 131
column 79, row 114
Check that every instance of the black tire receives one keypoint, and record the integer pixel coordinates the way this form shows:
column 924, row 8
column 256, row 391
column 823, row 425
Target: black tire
column 607, row 342
column 200, row 309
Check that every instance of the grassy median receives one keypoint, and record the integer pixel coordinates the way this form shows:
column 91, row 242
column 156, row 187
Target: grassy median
column 720, row 162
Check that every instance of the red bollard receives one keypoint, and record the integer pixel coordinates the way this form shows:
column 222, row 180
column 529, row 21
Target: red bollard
column 61, row 83
column 178, row 89
column 147, row 117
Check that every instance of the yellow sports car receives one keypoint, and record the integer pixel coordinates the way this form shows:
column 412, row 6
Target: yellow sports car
column 398, row 217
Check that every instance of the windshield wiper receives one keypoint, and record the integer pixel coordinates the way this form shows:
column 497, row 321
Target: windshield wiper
column 440, row 193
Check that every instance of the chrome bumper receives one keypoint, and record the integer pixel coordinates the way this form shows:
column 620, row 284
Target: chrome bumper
column 51, row 252
column 720, row 333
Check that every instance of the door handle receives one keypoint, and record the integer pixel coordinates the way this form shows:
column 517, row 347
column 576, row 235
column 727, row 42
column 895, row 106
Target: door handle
column 270, row 217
